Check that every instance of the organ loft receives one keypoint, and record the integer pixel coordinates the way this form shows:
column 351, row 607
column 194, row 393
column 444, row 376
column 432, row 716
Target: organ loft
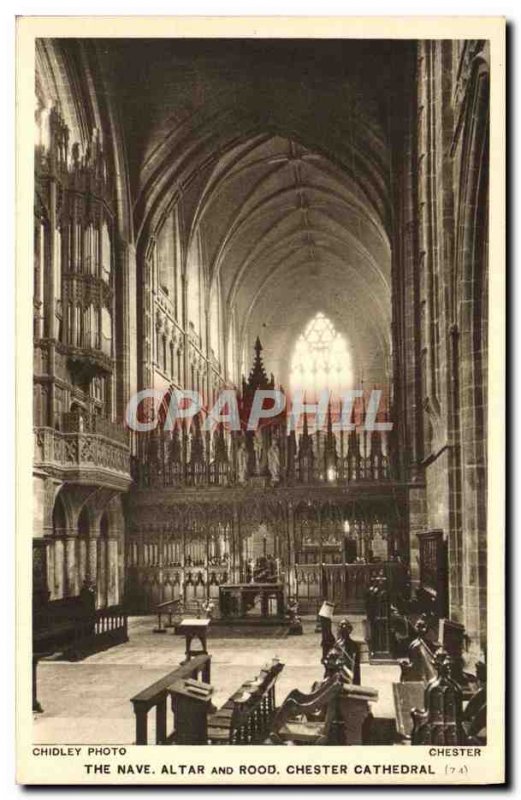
column 324, row 236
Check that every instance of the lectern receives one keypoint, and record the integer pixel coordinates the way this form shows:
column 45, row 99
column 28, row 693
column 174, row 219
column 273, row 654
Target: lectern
column 193, row 628
column 191, row 703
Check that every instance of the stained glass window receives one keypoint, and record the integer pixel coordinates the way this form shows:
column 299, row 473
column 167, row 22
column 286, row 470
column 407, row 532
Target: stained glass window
column 321, row 359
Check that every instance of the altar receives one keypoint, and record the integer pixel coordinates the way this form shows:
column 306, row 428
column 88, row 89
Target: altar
column 255, row 602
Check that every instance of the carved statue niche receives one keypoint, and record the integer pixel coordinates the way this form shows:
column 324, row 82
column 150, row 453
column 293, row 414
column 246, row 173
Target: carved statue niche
column 274, row 462
column 242, row 463
column 258, row 449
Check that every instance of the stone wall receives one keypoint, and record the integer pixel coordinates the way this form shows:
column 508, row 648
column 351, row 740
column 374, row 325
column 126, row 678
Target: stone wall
column 440, row 333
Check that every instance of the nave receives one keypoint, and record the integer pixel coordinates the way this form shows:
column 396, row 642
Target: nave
column 89, row 701
column 393, row 676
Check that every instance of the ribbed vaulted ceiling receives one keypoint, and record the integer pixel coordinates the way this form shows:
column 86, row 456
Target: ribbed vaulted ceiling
column 288, row 235
column 280, row 155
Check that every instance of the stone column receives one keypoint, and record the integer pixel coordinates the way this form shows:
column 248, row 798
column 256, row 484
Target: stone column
column 49, row 287
column 417, row 524
column 112, row 577
column 50, row 569
column 236, row 563
column 92, row 559
column 59, row 568
column 126, row 325
column 71, row 565
column 101, row 583
column 44, row 492
column 122, row 568
column 82, row 561
column 290, row 578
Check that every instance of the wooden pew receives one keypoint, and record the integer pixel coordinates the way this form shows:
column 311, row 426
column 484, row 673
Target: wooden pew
column 378, row 615
column 155, row 696
column 406, row 696
column 246, row 716
column 452, row 638
column 354, row 714
column 440, row 720
column 344, row 655
column 191, row 705
column 419, row 666
column 294, row 720
column 333, row 713
column 402, row 630
column 434, row 713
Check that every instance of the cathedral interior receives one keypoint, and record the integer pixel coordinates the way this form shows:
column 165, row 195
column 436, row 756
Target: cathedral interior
column 247, row 215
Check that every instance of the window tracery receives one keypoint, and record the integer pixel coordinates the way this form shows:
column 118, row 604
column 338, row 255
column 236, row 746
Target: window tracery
column 321, row 359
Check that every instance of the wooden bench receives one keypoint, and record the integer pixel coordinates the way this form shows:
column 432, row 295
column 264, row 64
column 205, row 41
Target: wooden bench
column 155, row 696
column 402, row 625
column 434, row 713
column 191, row 705
column 246, row 716
column 287, row 726
column 334, row 713
column 440, row 720
column 378, row 616
column 452, row 638
column 420, row 664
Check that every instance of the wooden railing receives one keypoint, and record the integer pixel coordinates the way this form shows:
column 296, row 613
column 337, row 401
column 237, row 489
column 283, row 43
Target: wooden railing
column 156, row 695
column 110, row 627
column 106, row 628
column 70, row 627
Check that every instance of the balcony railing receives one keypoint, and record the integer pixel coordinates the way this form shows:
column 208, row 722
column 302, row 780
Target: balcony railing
column 77, row 451
column 78, row 422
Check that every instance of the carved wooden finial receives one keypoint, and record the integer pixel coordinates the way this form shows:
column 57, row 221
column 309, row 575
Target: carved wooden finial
column 443, row 663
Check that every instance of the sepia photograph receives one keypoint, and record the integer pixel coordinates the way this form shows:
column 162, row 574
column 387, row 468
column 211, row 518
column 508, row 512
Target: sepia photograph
column 261, row 336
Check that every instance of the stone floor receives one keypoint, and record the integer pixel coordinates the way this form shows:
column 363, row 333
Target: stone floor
column 88, row 702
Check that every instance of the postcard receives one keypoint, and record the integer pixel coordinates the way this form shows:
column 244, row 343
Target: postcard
column 260, row 393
